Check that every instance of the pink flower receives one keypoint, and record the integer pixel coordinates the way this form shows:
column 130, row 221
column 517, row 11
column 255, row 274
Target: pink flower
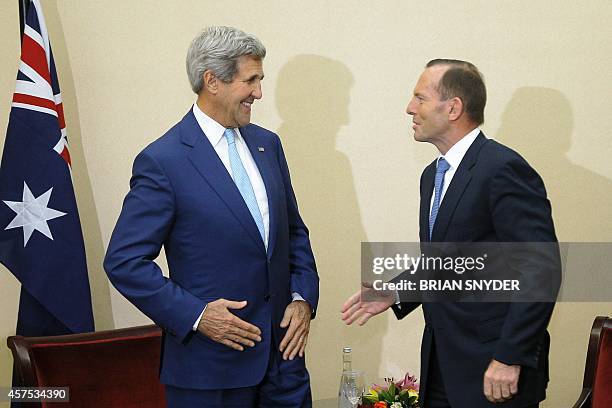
column 378, row 388
column 408, row 383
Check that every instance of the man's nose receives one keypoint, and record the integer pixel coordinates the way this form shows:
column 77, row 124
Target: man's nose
column 410, row 108
column 257, row 93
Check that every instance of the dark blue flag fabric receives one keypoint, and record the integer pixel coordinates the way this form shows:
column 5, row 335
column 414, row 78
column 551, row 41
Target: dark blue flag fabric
column 41, row 241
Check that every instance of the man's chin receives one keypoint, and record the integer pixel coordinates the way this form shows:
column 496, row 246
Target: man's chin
column 244, row 120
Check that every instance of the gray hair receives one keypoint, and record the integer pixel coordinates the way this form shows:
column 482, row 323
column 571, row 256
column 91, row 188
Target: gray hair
column 218, row 49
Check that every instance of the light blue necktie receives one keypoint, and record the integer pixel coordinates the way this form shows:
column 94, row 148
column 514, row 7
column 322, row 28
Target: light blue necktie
column 241, row 178
column 443, row 166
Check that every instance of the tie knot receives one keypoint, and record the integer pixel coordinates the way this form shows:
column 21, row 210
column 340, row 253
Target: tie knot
column 443, row 166
column 229, row 135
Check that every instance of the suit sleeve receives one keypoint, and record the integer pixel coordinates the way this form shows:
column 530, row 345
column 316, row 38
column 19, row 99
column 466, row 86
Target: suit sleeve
column 144, row 224
column 404, row 308
column 304, row 277
column 521, row 212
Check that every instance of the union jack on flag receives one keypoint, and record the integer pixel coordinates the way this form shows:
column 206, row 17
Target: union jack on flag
column 37, row 85
column 41, row 241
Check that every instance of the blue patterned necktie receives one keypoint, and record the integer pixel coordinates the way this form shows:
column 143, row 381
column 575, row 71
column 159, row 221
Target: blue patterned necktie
column 443, row 166
column 241, row 178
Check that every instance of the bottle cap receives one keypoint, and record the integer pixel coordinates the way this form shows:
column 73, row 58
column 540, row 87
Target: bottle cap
column 346, row 350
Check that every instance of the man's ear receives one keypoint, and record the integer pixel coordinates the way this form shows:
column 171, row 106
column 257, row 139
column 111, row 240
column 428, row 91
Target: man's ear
column 211, row 83
column 456, row 108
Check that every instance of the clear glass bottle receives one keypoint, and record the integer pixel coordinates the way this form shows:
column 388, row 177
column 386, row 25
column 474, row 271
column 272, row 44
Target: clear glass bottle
column 343, row 402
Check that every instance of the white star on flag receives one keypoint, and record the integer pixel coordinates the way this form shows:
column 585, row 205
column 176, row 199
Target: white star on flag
column 33, row 214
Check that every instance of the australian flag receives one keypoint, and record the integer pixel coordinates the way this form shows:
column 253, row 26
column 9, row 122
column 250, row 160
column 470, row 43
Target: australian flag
column 41, row 241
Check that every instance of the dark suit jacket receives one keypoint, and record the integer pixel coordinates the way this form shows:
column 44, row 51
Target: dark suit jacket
column 494, row 196
column 182, row 198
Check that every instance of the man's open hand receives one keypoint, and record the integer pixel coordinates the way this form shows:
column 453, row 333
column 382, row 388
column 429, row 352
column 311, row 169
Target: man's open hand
column 220, row 325
column 297, row 319
column 358, row 308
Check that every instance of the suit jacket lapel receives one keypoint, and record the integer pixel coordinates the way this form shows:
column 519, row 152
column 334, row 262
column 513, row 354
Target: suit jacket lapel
column 209, row 166
column 262, row 160
column 455, row 190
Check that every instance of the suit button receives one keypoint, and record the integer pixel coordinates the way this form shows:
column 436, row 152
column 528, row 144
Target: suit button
column 267, row 298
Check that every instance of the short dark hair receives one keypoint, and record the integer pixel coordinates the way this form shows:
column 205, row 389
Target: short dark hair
column 463, row 80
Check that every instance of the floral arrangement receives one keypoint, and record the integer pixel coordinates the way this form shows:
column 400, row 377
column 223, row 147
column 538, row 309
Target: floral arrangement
column 400, row 394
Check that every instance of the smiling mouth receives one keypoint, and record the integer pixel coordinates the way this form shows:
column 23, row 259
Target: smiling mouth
column 246, row 104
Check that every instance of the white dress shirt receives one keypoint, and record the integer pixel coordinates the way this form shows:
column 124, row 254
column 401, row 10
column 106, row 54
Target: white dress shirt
column 453, row 157
column 214, row 132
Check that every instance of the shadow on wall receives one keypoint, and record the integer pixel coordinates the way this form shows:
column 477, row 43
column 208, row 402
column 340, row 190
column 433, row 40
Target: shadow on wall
column 94, row 246
column 312, row 97
column 538, row 123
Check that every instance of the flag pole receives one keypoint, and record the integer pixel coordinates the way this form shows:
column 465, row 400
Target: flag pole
column 23, row 12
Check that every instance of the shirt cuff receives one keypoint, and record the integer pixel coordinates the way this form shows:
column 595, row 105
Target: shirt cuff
column 296, row 296
column 197, row 322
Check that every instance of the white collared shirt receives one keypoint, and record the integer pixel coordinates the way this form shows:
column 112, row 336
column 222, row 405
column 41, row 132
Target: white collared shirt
column 214, row 133
column 453, row 157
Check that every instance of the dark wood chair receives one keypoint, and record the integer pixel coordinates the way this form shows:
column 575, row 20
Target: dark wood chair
column 114, row 368
column 597, row 383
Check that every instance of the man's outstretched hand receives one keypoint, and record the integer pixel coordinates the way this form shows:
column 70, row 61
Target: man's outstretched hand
column 365, row 303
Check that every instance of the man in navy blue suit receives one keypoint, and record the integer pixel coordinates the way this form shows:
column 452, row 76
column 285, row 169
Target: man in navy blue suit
column 215, row 192
column 474, row 354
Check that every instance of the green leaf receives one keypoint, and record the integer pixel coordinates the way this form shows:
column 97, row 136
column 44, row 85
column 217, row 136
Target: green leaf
column 385, row 396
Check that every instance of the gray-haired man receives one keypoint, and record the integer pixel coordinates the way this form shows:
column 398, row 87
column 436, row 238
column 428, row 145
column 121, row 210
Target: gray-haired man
column 215, row 192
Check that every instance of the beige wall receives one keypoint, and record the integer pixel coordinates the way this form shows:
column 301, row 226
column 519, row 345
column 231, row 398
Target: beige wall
column 338, row 77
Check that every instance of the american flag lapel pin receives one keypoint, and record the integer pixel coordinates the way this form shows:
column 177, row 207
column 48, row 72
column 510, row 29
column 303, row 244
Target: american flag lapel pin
column 261, row 149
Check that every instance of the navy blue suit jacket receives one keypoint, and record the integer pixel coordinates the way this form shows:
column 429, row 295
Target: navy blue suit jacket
column 494, row 196
column 182, row 198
